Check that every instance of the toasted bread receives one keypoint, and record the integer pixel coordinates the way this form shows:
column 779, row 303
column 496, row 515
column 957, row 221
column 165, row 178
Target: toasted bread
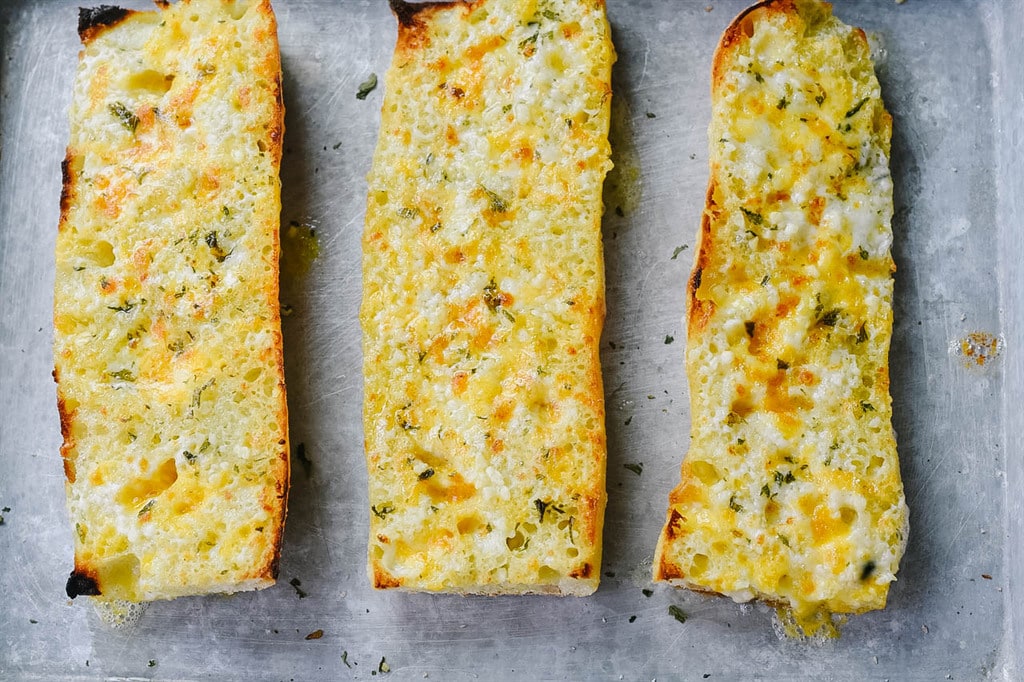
column 483, row 300
column 167, row 341
column 791, row 489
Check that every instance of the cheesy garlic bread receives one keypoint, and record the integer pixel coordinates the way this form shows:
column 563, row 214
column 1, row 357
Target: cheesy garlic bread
column 167, row 341
column 483, row 299
column 791, row 489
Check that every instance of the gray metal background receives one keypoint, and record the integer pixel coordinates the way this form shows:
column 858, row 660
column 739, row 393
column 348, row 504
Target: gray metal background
column 952, row 77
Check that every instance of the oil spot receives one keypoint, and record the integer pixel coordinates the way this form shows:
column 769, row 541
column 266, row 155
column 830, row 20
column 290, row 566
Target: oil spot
column 299, row 248
column 978, row 349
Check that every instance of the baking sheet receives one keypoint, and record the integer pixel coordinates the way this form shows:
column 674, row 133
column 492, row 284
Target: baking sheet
column 952, row 79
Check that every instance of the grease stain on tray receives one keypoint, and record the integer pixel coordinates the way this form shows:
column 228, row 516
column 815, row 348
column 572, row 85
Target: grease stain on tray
column 978, row 349
column 118, row 614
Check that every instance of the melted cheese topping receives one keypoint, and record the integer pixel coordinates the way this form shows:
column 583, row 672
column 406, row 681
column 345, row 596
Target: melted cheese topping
column 791, row 490
column 167, row 334
column 484, row 300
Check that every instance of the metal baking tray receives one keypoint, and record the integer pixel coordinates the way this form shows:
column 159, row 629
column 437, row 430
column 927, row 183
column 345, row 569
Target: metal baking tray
column 951, row 72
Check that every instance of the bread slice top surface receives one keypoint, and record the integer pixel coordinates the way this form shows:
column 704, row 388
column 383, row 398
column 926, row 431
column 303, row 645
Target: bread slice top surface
column 167, row 340
column 484, row 300
column 791, row 489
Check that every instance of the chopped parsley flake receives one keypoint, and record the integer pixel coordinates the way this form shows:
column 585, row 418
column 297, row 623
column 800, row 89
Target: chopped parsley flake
column 853, row 112
column 367, row 86
column 127, row 118
column 677, row 613
column 636, row 467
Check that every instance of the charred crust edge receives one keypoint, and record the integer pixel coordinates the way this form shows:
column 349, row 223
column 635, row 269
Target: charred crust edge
column 82, row 585
column 407, row 13
column 66, row 191
column 92, row 20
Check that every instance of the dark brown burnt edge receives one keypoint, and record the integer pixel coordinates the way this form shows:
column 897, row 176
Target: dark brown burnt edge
column 67, row 190
column 82, row 585
column 407, row 13
column 92, row 20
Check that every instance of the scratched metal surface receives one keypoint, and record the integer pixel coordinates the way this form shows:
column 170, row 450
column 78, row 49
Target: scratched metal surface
column 952, row 79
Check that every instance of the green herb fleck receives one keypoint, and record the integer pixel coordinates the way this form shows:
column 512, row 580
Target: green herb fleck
column 651, row 114
column 492, row 297
column 367, row 86
column 783, row 103
column 125, row 307
column 783, row 539
column 862, row 333
column 734, row 505
column 787, row 477
column 152, row 663
column 383, row 666
column 819, row 99
column 751, row 327
column 344, row 659
column 550, row 14
column 636, row 467
column 122, row 375
column 866, row 406
column 868, row 569
column 766, row 491
column 646, row 592
column 147, row 507
column 127, row 118
column 669, row 339
column 853, row 112
column 189, row 457
column 543, row 507
column 758, row 77
column 752, row 216
column 830, row 317
column 781, row 364
column 525, row 45
column 384, row 510
column 427, row 473
column 864, row 253
column 215, row 249
column 498, row 205
column 297, row 584
column 678, row 250
column 764, row 280
column 677, row 613
column 197, row 394
column 436, row 226
column 408, row 213
column 506, row 108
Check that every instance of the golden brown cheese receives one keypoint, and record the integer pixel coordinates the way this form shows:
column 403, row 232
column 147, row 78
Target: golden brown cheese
column 791, row 489
column 483, row 299
column 167, row 339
